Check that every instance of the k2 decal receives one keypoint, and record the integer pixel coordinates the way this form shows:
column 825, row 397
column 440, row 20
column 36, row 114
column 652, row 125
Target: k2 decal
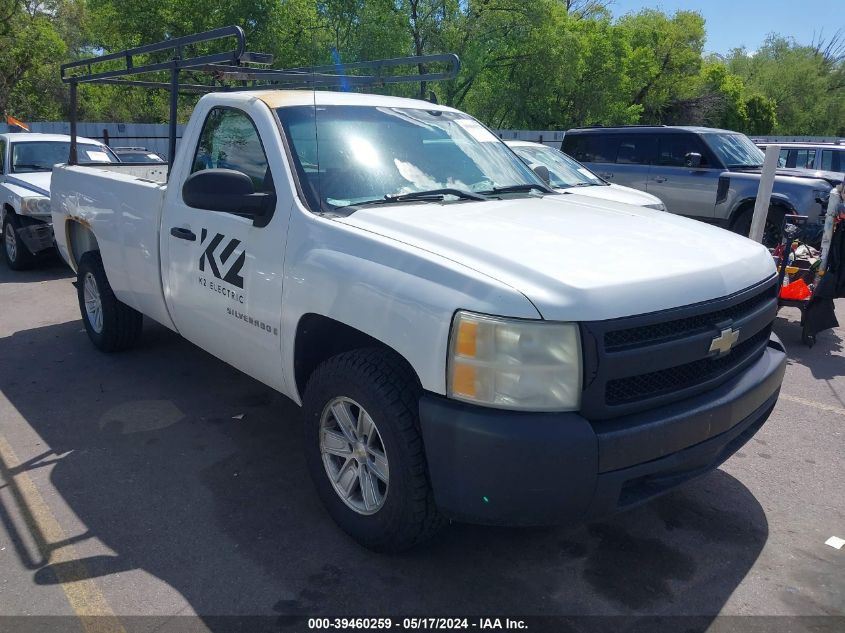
column 233, row 274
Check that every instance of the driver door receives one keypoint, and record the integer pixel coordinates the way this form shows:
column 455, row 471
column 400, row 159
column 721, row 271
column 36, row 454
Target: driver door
column 223, row 274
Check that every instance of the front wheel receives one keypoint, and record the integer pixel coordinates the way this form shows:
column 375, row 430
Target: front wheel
column 15, row 251
column 111, row 324
column 364, row 450
column 772, row 230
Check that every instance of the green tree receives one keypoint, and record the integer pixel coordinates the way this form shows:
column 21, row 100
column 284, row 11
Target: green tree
column 804, row 83
column 32, row 50
column 762, row 115
column 665, row 59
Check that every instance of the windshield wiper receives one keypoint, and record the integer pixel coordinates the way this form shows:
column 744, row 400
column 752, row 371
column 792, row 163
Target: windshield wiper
column 433, row 194
column 518, row 189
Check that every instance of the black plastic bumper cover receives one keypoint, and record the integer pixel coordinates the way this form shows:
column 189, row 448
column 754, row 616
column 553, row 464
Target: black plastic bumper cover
column 513, row 468
column 37, row 235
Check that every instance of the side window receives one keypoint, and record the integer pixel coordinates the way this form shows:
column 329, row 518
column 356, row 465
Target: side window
column 801, row 158
column 832, row 160
column 229, row 140
column 791, row 158
column 2, row 156
column 592, row 148
column 636, row 149
column 783, row 157
column 675, row 147
column 827, row 160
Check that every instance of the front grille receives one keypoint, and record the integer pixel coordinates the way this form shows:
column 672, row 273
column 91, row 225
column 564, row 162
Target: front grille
column 645, row 335
column 636, row 363
column 656, row 383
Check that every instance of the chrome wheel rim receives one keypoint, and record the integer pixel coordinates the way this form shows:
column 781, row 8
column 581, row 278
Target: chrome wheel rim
column 354, row 455
column 11, row 243
column 93, row 304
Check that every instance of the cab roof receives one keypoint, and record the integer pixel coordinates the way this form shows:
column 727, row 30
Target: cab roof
column 649, row 129
column 287, row 98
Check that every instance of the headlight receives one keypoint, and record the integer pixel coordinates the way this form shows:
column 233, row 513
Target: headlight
column 35, row 206
column 659, row 206
column 514, row 363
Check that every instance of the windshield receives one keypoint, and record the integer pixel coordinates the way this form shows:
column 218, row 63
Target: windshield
column 348, row 155
column 564, row 172
column 28, row 156
column 734, row 150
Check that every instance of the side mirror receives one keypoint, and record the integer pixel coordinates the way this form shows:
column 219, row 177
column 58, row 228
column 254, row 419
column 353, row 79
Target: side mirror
column 543, row 172
column 228, row 191
column 693, row 159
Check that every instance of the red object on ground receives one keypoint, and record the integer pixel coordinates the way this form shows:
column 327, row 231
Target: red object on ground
column 797, row 290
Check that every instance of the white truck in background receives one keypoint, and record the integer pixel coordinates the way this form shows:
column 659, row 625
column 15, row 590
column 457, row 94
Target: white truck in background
column 465, row 342
column 26, row 161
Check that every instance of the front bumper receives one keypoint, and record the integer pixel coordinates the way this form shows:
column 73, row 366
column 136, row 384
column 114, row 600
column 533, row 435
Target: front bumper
column 514, row 468
column 36, row 235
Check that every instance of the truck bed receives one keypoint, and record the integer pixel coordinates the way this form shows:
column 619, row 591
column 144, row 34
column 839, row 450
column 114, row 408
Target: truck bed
column 123, row 205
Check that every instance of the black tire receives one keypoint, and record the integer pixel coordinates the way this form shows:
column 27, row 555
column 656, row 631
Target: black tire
column 121, row 325
column 772, row 233
column 22, row 258
column 383, row 386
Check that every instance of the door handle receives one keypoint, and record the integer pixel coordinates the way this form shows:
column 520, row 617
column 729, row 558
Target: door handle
column 659, row 179
column 183, row 234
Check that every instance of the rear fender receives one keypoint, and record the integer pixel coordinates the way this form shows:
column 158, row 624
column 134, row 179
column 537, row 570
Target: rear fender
column 80, row 239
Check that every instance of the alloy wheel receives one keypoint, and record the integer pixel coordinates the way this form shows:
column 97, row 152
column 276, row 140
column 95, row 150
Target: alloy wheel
column 11, row 243
column 354, row 455
column 93, row 303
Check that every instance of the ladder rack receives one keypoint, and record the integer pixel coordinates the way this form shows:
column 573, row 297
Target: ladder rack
column 249, row 69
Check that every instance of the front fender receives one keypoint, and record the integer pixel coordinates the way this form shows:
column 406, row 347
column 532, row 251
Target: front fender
column 393, row 292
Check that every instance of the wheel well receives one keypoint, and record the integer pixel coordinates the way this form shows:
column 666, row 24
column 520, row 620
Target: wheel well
column 80, row 240
column 319, row 337
column 7, row 208
column 749, row 204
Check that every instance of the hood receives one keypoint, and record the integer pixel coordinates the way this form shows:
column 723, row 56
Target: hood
column 576, row 258
column 37, row 181
column 616, row 193
column 797, row 175
column 832, row 177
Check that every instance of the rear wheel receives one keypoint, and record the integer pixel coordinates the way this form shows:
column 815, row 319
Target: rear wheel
column 365, row 452
column 111, row 324
column 15, row 251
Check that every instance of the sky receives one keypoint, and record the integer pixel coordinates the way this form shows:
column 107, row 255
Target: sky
column 735, row 23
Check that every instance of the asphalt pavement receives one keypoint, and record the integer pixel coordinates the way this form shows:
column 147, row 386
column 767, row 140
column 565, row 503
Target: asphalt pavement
column 161, row 482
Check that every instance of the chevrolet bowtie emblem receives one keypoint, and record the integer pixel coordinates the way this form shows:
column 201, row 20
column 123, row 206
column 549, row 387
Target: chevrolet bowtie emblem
column 723, row 343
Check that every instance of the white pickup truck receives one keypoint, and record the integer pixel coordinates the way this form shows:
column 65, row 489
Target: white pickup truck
column 26, row 161
column 465, row 343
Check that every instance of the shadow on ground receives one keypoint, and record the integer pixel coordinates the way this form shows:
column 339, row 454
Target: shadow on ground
column 48, row 267
column 824, row 359
column 151, row 453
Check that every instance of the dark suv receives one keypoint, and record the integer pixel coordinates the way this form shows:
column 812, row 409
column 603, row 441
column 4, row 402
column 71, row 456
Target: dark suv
column 708, row 174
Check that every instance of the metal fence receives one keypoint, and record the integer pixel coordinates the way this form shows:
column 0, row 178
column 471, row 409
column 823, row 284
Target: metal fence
column 554, row 138
column 153, row 136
